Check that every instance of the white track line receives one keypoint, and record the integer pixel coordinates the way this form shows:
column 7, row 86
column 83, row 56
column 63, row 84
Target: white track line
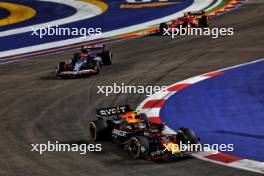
column 84, row 10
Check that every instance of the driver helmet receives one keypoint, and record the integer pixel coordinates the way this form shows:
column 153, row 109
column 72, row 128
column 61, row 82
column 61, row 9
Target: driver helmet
column 85, row 49
column 132, row 117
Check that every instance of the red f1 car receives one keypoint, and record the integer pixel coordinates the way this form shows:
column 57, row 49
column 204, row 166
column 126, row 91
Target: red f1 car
column 190, row 19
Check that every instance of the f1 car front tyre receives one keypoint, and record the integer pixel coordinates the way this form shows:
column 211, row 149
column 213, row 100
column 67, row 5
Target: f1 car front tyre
column 106, row 57
column 98, row 129
column 97, row 68
column 187, row 135
column 138, row 147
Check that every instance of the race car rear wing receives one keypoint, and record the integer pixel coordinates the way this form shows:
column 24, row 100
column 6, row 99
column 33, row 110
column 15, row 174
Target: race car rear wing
column 96, row 46
column 196, row 12
column 112, row 111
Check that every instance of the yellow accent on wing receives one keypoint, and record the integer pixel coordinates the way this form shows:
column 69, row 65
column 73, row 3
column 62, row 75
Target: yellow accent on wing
column 18, row 13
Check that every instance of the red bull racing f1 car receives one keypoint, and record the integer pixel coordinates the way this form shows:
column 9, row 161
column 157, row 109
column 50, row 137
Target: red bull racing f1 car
column 140, row 137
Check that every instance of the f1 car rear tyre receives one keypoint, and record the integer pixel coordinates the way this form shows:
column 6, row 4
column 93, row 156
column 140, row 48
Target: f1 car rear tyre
column 188, row 136
column 97, row 129
column 203, row 22
column 106, row 57
column 162, row 28
column 138, row 147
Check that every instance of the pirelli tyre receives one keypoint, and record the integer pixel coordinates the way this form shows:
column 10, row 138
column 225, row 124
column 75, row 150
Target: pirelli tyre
column 187, row 135
column 97, row 68
column 138, row 147
column 98, row 129
column 203, row 22
column 162, row 28
column 60, row 67
column 106, row 57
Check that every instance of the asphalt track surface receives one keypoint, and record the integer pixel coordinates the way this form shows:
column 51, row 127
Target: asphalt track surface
column 37, row 107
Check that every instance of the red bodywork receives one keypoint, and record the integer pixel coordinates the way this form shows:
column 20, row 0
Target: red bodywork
column 185, row 21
